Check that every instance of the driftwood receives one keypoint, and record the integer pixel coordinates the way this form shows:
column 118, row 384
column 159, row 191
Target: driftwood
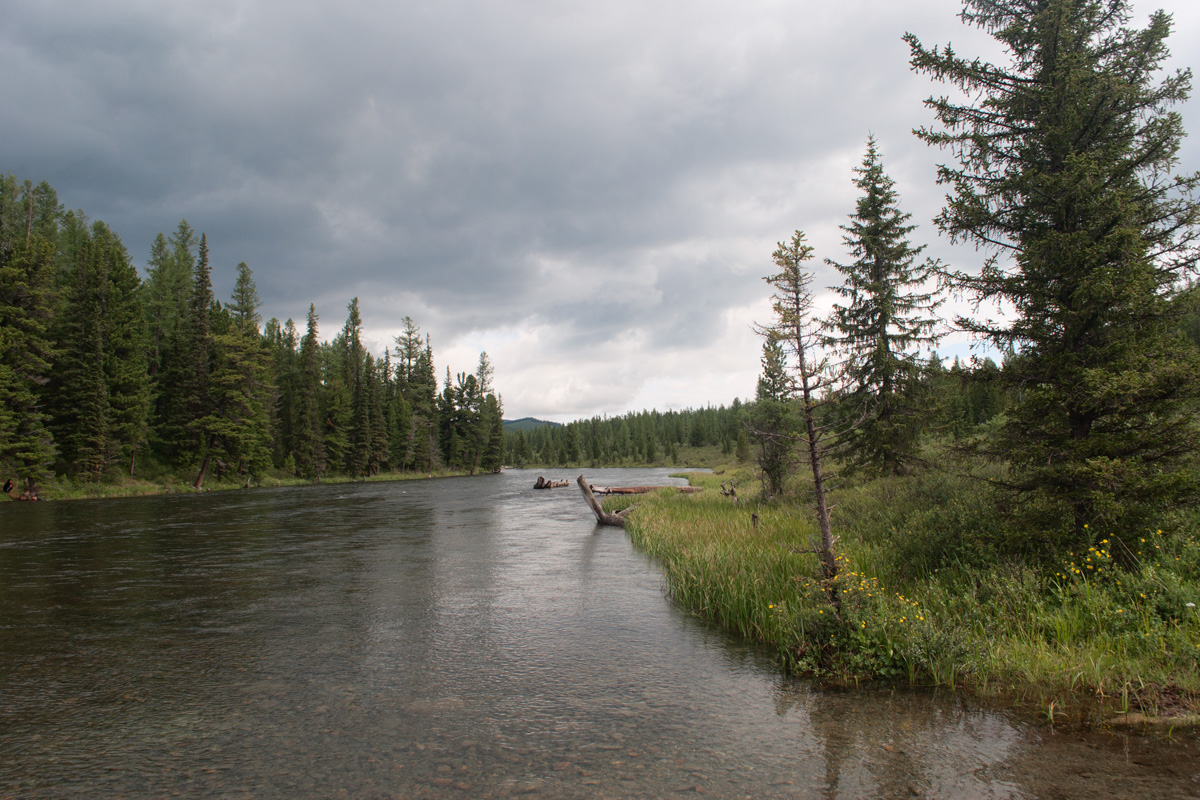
column 602, row 516
column 641, row 489
column 542, row 483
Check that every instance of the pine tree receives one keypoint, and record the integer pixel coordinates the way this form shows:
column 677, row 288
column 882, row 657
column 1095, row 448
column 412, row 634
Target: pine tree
column 449, row 442
column 98, row 394
column 338, row 407
column 879, row 327
column 378, row 446
column 237, row 426
column 194, row 405
column 773, row 418
column 356, row 363
column 493, row 423
column 1064, row 174
column 245, row 303
column 310, row 444
column 26, row 352
column 125, row 367
column 421, row 446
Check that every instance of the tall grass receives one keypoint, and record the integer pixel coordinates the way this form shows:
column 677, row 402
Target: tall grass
column 937, row 589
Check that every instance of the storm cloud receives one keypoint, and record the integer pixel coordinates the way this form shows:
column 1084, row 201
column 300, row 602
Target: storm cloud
column 590, row 192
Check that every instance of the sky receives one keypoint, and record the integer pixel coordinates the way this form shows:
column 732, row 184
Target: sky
column 589, row 192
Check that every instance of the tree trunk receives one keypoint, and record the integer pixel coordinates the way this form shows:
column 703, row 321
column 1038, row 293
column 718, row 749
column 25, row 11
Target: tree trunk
column 641, row 489
column 602, row 516
column 203, row 472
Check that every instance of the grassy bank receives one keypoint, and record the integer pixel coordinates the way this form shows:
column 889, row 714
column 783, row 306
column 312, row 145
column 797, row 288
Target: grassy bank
column 936, row 593
column 64, row 488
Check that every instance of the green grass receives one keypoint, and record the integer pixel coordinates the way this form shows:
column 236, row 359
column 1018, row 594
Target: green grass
column 938, row 590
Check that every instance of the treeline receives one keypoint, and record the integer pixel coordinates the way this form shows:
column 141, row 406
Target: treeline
column 103, row 374
column 1064, row 179
column 644, row 437
column 955, row 399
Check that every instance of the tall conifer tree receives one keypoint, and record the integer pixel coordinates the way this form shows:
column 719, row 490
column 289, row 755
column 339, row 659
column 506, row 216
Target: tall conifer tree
column 1064, row 174
column 880, row 324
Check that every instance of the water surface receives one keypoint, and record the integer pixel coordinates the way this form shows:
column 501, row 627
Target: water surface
column 446, row 639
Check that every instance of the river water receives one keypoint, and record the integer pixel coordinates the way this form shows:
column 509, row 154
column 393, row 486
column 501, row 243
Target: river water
column 459, row 638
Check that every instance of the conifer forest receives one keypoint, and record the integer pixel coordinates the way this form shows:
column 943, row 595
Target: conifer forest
column 103, row 374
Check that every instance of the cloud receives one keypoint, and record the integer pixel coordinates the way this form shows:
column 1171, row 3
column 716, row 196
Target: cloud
column 591, row 192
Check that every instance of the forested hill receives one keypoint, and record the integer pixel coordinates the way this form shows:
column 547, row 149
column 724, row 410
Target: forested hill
column 104, row 375
column 526, row 423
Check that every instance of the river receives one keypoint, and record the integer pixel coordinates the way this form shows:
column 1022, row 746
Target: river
column 457, row 638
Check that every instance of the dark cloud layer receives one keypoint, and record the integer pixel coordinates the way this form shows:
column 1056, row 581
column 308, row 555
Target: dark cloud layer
column 590, row 192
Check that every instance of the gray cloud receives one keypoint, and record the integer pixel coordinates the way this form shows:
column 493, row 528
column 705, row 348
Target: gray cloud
column 591, row 192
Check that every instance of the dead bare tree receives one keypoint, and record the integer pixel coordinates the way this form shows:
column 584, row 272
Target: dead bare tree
column 602, row 516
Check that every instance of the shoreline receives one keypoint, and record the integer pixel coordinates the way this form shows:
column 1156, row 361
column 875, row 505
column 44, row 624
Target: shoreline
column 60, row 491
column 1002, row 633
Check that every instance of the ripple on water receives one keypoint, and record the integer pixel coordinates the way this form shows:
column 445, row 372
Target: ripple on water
column 456, row 638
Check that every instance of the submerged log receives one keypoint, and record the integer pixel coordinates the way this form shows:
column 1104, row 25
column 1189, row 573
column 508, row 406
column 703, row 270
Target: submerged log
column 602, row 516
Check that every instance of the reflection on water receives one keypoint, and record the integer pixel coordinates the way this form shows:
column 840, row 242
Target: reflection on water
column 453, row 638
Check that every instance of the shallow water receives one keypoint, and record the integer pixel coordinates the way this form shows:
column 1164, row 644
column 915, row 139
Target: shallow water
column 451, row 638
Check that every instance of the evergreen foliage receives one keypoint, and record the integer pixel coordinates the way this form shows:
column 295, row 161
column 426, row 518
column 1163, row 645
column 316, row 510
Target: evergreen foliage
column 774, row 419
column 880, row 325
column 1064, row 174
column 95, row 365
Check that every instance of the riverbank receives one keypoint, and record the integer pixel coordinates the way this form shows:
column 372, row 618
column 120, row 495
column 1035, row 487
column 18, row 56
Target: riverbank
column 934, row 594
column 67, row 489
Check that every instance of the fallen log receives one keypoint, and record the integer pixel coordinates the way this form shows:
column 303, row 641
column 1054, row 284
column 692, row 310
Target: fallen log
column 542, row 483
column 602, row 516
column 641, row 489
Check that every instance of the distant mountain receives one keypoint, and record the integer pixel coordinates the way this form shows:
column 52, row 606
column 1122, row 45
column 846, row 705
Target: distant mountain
column 525, row 423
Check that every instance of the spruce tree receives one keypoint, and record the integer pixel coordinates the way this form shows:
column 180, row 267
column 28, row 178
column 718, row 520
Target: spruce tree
column 125, row 366
column 99, row 390
column 356, row 378
column 773, row 419
column 880, row 324
column 337, row 409
column 310, row 445
column 237, row 425
column 378, row 445
column 1064, row 174
column 244, row 303
column 194, row 406
column 26, row 353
